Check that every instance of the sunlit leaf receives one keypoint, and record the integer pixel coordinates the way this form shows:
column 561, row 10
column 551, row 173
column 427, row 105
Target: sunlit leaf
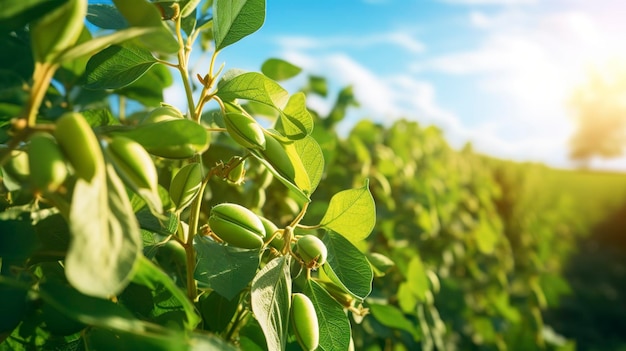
column 236, row 19
column 416, row 278
column 309, row 155
column 295, row 121
column 254, row 87
column 486, row 236
column 106, row 241
column 351, row 213
column 271, row 299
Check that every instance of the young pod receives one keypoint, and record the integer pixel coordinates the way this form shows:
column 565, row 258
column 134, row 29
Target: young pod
column 132, row 162
column 80, row 145
column 236, row 174
column 185, row 185
column 175, row 138
column 304, row 322
column 275, row 154
column 58, row 30
column 311, row 250
column 17, row 166
column 245, row 130
column 46, row 163
column 163, row 113
column 237, row 226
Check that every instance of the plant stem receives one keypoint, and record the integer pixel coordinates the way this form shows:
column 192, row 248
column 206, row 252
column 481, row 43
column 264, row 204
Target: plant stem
column 42, row 76
column 122, row 108
column 183, row 56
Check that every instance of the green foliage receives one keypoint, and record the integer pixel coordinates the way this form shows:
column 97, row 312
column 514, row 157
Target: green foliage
column 420, row 246
column 127, row 249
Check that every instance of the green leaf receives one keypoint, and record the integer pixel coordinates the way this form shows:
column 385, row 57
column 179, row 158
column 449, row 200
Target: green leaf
column 334, row 325
column 149, row 275
column 271, row 300
column 100, row 117
column 254, row 87
column 120, row 340
column 96, row 44
column 351, row 213
column 225, row 269
column 295, row 122
column 278, row 69
column 301, row 178
column 486, row 236
column 416, row 281
column 347, row 266
column 70, row 73
column 188, row 6
column 106, row 17
column 236, row 19
column 148, row 89
column 392, row 317
column 57, row 31
column 318, row 85
column 380, row 263
column 141, row 13
column 117, row 66
column 153, row 340
column 406, row 298
column 16, row 14
column 87, row 309
column 106, row 241
column 217, row 311
column 312, row 159
column 14, row 247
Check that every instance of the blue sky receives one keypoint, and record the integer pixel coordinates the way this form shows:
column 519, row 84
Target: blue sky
column 498, row 73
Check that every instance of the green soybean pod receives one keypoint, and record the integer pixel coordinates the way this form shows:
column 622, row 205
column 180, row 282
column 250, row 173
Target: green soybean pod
column 237, row 226
column 312, row 251
column 245, row 130
column 58, row 30
column 46, row 163
column 17, row 166
column 163, row 113
column 275, row 154
column 132, row 162
column 304, row 321
column 185, row 185
column 80, row 144
column 175, row 138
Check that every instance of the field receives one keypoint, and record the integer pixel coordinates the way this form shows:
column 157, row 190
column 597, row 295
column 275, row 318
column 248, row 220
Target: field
column 245, row 221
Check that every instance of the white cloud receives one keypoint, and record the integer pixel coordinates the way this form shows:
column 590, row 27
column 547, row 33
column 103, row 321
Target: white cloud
column 372, row 93
column 400, row 39
column 490, row 2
